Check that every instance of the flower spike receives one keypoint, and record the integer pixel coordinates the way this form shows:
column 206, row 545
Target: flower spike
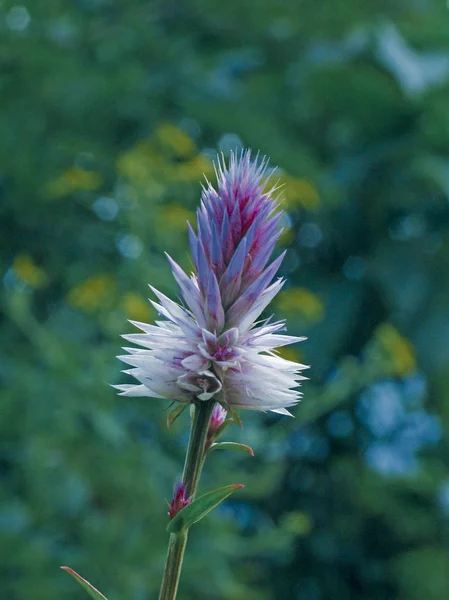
column 212, row 346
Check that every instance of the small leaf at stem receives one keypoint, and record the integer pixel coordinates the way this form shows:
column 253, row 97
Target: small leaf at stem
column 174, row 413
column 222, row 428
column 232, row 446
column 236, row 417
column 93, row 592
column 200, row 507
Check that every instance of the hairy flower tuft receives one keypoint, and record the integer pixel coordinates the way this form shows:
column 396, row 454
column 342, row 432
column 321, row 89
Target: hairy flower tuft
column 212, row 346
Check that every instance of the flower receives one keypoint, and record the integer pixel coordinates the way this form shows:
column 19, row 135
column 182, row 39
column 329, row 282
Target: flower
column 135, row 306
column 73, row 180
column 301, row 301
column 213, row 346
column 179, row 500
column 93, row 293
column 398, row 350
column 27, row 270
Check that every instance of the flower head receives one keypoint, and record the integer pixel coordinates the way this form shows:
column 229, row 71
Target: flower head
column 212, row 346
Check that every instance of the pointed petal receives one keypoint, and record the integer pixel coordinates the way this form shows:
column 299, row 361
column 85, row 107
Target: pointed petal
column 253, row 294
column 203, row 267
column 236, row 263
column 229, row 337
column 174, row 312
column 226, row 238
column 135, row 391
column 204, row 231
column 188, row 289
column 193, row 242
column 214, row 312
column 282, row 411
column 216, row 254
column 260, row 305
column 271, row 341
column 236, row 224
column 195, row 363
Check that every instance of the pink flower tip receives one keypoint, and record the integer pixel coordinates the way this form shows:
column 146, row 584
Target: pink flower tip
column 179, row 501
column 217, row 419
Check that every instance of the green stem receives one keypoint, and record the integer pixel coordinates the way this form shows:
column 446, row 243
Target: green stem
column 192, row 471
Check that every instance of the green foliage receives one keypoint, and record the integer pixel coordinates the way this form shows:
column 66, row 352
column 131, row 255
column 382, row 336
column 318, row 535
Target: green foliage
column 110, row 114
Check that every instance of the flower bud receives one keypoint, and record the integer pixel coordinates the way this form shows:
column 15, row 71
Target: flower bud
column 217, row 419
column 179, row 500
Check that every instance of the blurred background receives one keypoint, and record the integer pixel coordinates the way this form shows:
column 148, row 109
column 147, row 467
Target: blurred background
column 111, row 112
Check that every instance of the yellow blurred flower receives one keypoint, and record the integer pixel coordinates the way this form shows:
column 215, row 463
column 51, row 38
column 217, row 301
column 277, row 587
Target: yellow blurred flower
column 26, row 269
column 299, row 192
column 298, row 523
column 399, row 350
column 95, row 292
column 174, row 217
column 302, row 301
column 73, row 180
column 141, row 162
column 175, row 140
column 136, row 307
column 193, row 169
column 289, row 353
column 157, row 161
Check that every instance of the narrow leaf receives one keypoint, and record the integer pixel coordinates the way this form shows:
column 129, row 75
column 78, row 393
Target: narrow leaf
column 200, row 507
column 174, row 413
column 222, row 428
column 232, row 446
column 93, row 592
column 236, row 417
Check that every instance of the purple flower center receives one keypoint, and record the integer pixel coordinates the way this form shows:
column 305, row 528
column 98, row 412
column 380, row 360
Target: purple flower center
column 223, row 352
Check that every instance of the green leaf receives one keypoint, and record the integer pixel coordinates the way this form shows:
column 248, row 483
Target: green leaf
column 235, row 417
column 232, row 446
column 222, row 428
column 174, row 413
column 200, row 507
column 93, row 592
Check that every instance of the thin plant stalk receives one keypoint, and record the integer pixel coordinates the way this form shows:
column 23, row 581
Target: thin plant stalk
column 192, row 472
